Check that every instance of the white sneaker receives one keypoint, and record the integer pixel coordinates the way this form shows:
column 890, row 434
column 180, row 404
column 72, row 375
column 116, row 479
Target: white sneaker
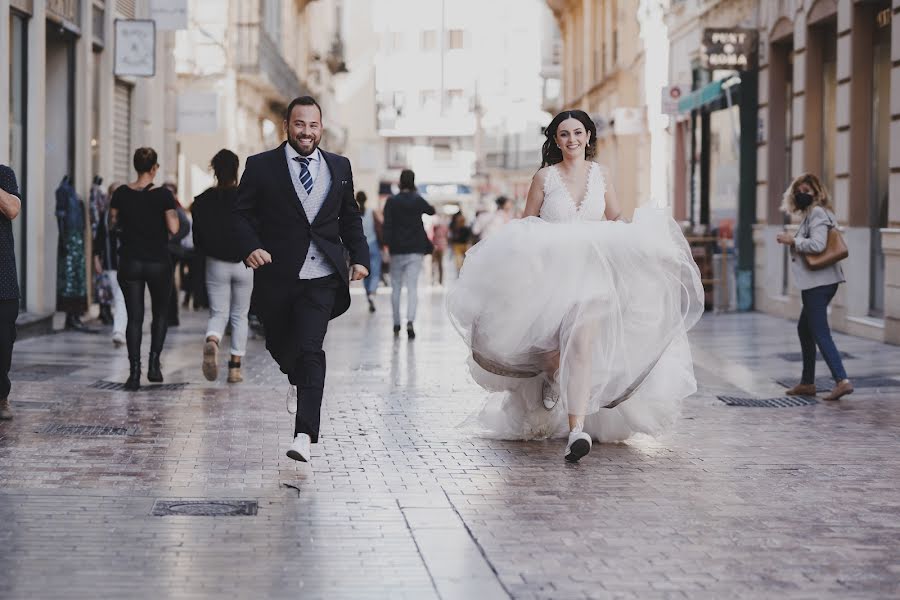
column 290, row 400
column 300, row 448
column 579, row 445
column 118, row 339
column 550, row 395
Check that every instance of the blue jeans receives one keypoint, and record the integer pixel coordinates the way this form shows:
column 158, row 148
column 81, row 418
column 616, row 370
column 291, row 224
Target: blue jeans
column 371, row 281
column 814, row 331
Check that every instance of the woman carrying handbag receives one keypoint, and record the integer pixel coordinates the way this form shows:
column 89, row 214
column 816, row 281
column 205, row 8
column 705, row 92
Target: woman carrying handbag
column 816, row 252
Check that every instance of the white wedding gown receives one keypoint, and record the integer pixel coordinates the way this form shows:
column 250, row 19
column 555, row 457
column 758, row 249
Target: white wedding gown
column 613, row 300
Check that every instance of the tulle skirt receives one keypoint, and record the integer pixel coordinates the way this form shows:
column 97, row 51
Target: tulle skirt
column 599, row 309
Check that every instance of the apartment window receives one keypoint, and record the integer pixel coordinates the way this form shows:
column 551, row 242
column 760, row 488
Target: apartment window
column 457, row 39
column 429, row 40
column 397, row 153
column 272, row 20
column 457, row 101
column 428, row 99
column 396, row 41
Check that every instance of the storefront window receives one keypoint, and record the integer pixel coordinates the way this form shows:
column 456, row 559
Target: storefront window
column 18, row 49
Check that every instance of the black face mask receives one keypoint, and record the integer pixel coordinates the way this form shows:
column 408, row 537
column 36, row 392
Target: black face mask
column 802, row 200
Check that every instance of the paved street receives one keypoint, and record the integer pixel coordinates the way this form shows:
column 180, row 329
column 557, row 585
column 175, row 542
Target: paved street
column 737, row 502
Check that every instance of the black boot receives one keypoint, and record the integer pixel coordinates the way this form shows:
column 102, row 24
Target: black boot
column 154, row 373
column 134, row 378
column 106, row 316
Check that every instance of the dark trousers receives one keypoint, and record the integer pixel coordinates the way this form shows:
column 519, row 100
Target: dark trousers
column 296, row 320
column 133, row 275
column 814, row 331
column 9, row 310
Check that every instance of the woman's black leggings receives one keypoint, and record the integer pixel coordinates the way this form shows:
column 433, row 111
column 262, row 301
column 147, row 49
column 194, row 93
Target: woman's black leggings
column 133, row 274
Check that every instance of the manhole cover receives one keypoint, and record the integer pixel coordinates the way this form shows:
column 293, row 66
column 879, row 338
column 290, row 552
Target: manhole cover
column 115, row 386
column 783, row 402
column 91, row 430
column 41, row 372
column 205, row 508
column 798, row 357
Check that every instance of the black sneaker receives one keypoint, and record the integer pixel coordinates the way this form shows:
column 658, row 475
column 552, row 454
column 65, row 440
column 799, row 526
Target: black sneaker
column 396, row 330
column 410, row 332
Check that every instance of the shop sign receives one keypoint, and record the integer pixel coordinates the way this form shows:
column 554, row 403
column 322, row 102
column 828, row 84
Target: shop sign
column 198, row 112
column 135, row 48
column 883, row 18
column 671, row 95
column 729, row 49
column 170, row 15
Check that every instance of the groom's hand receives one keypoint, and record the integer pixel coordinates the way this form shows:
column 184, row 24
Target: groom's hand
column 358, row 272
column 258, row 258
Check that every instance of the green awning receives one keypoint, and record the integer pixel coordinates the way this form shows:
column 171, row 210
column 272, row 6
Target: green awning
column 701, row 97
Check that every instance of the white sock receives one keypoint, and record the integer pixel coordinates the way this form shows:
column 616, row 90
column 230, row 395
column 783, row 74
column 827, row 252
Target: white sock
column 579, row 425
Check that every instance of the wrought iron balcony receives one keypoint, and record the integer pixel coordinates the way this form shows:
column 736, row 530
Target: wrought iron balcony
column 259, row 59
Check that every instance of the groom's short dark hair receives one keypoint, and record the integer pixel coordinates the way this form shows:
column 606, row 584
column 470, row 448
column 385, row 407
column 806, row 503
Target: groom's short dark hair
column 302, row 101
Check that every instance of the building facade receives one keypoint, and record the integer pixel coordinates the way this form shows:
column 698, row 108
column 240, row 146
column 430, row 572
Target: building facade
column 239, row 65
column 70, row 115
column 603, row 68
column 830, row 105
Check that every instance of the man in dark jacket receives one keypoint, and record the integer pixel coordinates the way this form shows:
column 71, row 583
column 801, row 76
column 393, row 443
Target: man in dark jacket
column 295, row 218
column 404, row 234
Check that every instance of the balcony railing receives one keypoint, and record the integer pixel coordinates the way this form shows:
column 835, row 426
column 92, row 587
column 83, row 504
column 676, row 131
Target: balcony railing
column 259, row 59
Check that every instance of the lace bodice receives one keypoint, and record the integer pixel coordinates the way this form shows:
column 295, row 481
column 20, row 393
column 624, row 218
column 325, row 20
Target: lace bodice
column 560, row 207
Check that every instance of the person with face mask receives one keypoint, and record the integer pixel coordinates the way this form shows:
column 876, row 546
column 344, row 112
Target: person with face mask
column 807, row 196
column 295, row 217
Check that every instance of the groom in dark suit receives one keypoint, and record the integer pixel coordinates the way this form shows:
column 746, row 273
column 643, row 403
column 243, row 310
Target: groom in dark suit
column 295, row 217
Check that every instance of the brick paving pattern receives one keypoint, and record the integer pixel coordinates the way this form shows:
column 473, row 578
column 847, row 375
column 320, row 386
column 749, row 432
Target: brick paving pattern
column 399, row 502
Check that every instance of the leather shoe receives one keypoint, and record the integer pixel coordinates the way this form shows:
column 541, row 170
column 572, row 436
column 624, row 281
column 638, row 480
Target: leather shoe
column 841, row 389
column 802, row 389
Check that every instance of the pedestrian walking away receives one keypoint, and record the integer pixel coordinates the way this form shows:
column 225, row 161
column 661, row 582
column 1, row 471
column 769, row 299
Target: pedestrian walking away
column 405, row 237
column 372, row 221
column 145, row 218
column 296, row 217
column 460, row 239
column 10, row 207
column 177, row 252
column 580, row 319
column 807, row 197
column 229, row 282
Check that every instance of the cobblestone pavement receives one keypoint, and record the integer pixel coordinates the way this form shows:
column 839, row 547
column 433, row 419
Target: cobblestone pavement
column 737, row 502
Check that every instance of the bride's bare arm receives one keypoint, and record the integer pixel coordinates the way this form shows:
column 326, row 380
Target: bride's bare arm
column 535, row 195
column 613, row 210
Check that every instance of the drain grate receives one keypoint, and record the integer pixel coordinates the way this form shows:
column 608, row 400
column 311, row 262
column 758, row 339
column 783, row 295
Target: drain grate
column 798, row 357
column 27, row 405
column 86, row 430
column 205, row 508
column 783, row 402
column 41, row 372
column 115, row 386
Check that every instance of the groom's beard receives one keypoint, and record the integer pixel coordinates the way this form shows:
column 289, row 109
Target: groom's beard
column 295, row 144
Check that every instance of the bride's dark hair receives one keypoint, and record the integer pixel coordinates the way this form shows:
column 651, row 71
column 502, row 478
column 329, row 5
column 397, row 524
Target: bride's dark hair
column 551, row 153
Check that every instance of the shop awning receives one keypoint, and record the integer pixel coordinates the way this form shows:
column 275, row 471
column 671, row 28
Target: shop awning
column 708, row 93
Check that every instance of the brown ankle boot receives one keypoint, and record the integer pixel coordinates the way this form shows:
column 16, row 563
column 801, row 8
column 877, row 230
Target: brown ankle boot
column 841, row 389
column 5, row 412
column 802, row 389
column 234, row 372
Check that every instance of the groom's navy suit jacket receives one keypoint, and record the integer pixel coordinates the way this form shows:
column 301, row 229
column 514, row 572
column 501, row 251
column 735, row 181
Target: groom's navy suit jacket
column 269, row 215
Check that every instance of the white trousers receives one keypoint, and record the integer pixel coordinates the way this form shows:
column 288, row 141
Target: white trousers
column 229, row 286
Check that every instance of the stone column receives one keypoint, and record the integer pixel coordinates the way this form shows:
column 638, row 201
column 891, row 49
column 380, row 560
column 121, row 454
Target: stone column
column 890, row 237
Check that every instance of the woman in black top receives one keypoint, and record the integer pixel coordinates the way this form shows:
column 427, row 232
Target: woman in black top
column 228, row 282
column 145, row 217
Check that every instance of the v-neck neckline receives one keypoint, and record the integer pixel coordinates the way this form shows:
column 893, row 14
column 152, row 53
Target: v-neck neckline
column 587, row 187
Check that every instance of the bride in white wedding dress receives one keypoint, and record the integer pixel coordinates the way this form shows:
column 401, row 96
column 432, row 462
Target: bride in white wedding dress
column 578, row 321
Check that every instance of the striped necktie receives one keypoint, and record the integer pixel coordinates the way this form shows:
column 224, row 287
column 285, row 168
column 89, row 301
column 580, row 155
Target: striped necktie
column 305, row 177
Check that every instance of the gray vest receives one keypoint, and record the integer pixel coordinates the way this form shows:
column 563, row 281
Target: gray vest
column 316, row 263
